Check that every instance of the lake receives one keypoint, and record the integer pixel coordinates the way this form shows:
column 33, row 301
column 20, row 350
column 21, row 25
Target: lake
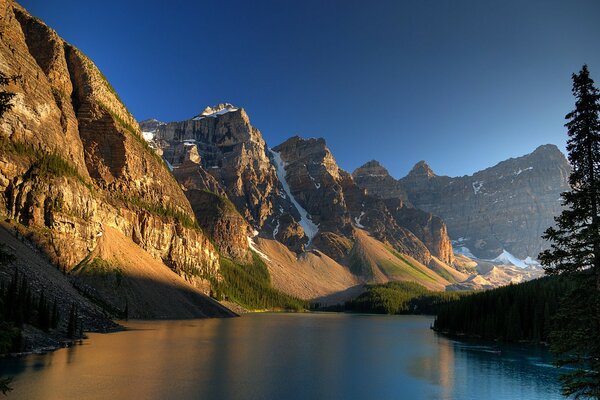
column 283, row 356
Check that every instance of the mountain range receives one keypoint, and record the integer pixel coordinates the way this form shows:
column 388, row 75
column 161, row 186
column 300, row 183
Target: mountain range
column 145, row 216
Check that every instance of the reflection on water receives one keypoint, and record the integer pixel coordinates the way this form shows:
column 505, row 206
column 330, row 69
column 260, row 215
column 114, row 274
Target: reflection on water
column 283, row 356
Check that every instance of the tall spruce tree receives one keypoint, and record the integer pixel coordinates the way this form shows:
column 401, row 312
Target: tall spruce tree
column 575, row 248
column 5, row 96
column 5, row 105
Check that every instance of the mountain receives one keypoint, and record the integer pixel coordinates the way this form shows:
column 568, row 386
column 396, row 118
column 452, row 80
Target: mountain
column 162, row 218
column 294, row 194
column 76, row 170
column 506, row 207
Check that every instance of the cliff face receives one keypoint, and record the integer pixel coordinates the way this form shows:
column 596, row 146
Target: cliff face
column 336, row 204
column 430, row 229
column 505, row 207
column 221, row 152
column 73, row 161
column 376, row 180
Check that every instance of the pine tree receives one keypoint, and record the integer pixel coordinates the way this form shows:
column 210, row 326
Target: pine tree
column 72, row 325
column 5, row 105
column 575, row 247
column 5, row 96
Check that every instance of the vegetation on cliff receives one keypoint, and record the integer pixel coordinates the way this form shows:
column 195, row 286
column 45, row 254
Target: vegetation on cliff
column 250, row 286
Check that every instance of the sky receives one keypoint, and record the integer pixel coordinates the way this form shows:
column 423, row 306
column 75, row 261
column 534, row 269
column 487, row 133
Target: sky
column 460, row 84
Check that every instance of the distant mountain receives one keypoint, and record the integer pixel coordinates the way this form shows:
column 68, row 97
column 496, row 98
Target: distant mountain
column 506, row 207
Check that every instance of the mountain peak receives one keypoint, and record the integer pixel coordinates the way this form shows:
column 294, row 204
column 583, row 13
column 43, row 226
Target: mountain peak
column 215, row 111
column 422, row 169
column 550, row 149
column 371, row 168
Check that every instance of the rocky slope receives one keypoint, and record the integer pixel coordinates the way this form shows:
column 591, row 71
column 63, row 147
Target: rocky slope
column 504, row 207
column 294, row 193
column 231, row 159
column 73, row 162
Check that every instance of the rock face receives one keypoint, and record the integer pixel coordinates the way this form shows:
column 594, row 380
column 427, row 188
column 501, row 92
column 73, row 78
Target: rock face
column 73, row 161
column 231, row 159
column 294, row 193
column 373, row 177
column 505, row 207
column 336, row 204
column 430, row 229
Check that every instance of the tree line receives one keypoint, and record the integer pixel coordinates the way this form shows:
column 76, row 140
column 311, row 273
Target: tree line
column 394, row 298
column 512, row 313
column 563, row 308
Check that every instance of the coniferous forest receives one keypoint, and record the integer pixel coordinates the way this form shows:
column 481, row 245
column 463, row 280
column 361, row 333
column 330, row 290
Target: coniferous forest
column 513, row 313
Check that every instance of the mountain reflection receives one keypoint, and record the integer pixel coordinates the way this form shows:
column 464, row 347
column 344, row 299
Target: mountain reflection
column 281, row 356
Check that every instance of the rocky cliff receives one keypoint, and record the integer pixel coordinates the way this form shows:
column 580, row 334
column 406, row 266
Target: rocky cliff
column 73, row 161
column 504, row 207
column 430, row 229
column 220, row 151
column 336, row 204
column 294, row 193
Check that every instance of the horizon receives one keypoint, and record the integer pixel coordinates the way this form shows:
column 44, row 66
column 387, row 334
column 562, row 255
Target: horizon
column 504, row 88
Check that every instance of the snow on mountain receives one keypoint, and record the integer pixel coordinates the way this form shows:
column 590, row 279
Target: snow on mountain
column 507, row 258
column 357, row 220
column 148, row 136
column 310, row 229
column 464, row 251
column 214, row 112
column 253, row 247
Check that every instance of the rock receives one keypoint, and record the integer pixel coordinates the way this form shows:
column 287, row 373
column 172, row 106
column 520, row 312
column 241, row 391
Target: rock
column 73, row 160
column 233, row 153
column 505, row 207
column 373, row 177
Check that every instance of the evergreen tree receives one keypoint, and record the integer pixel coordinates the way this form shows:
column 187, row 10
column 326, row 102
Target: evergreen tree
column 72, row 325
column 5, row 105
column 55, row 317
column 575, row 247
column 5, row 96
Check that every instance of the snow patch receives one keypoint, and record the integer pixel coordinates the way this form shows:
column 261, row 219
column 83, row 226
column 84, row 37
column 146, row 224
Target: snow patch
column 310, row 229
column 357, row 220
column 520, row 171
column 477, row 185
column 317, row 185
column 276, row 230
column 464, row 251
column 168, row 164
column 210, row 112
column 253, row 247
column 507, row 258
column 148, row 136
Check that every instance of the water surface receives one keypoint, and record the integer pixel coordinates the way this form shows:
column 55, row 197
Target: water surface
column 283, row 356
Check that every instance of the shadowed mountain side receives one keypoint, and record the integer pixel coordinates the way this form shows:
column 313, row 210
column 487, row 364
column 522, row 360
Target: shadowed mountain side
column 119, row 274
column 307, row 276
column 340, row 297
column 43, row 276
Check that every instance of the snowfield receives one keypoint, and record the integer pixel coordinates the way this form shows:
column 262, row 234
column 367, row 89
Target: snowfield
column 310, row 229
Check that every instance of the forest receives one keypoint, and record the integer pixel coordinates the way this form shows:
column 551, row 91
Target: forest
column 512, row 313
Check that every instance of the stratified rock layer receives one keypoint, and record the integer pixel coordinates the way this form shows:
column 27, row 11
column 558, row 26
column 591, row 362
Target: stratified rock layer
column 73, row 162
column 505, row 207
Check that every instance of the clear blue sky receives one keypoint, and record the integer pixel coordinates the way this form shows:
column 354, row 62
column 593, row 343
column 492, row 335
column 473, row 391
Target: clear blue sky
column 461, row 84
